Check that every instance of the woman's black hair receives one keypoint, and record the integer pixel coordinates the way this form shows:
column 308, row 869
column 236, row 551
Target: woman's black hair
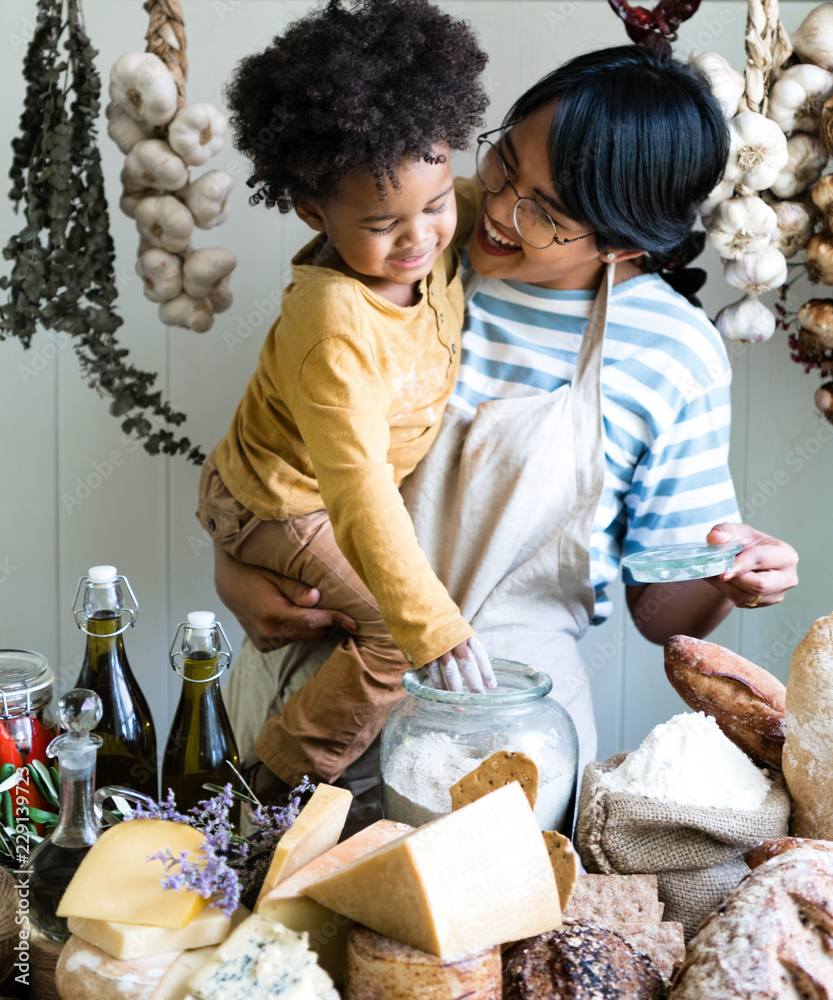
column 366, row 86
column 637, row 140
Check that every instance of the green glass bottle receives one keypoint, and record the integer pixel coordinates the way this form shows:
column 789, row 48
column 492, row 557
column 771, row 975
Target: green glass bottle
column 201, row 747
column 128, row 755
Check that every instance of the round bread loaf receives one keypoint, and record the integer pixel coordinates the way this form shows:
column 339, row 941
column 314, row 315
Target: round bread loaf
column 379, row 968
column 579, row 963
column 770, row 936
column 85, row 972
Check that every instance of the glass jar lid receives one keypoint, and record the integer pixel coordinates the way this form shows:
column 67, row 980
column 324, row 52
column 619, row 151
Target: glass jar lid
column 681, row 562
column 25, row 682
column 517, row 684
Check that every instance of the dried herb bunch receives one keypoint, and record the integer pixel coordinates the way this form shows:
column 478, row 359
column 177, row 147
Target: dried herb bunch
column 62, row 276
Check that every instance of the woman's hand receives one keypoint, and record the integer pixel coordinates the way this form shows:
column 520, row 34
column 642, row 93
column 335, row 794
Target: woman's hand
column 763, row 571
column 273, row 610
column 466, row 664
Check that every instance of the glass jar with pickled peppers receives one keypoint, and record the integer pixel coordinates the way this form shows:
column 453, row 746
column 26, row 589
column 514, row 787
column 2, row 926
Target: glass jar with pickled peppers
column 26, row 724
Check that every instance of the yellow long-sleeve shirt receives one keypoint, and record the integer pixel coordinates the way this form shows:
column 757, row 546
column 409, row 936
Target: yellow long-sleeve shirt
column 347, row 397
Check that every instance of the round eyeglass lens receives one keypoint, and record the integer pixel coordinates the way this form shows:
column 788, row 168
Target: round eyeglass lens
column 490, row 168
column 533, row 223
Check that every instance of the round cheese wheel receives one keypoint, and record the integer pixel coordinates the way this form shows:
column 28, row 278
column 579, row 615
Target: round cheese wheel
column 378, row 966
column 85, row 972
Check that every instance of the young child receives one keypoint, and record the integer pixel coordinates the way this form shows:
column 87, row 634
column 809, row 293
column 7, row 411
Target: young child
column 349, row 118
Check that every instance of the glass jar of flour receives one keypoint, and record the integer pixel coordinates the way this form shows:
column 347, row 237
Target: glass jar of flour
column 433, row 738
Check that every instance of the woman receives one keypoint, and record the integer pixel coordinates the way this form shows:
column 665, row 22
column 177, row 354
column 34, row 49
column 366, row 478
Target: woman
column 591, row 414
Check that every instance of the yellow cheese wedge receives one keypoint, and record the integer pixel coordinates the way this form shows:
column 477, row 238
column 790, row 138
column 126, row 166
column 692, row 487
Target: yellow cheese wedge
column 327, row 930
column 174, row 984
column 317, row 829
column 115, row 881
column 138, row 940
column 475, row 878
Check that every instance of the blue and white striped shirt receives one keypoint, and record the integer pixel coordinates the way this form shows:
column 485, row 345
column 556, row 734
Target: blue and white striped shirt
column 665, row 404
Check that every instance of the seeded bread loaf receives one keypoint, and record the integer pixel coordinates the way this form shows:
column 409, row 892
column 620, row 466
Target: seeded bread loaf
column 769, row 938
column 746, row 701
column 579, row 963
column 772, row 848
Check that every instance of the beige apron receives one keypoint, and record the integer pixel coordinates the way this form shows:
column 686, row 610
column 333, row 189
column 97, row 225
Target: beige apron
column 504, row 507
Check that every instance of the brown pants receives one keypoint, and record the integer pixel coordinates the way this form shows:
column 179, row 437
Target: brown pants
column 342, row 708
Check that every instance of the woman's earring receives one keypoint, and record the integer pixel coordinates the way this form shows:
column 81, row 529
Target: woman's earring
column 611, row 255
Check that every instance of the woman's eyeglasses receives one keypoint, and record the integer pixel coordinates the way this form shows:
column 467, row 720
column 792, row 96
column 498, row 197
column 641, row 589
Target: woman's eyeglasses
column 533, row 224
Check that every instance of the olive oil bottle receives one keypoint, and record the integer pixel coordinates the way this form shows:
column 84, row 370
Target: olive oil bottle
column 128, row 755
column 201, row 747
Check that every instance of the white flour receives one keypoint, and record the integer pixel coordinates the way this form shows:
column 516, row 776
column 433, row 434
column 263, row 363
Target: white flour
column 689, row 761
column 420, row 772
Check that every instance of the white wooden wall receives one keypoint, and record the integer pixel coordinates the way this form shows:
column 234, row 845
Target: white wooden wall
column 75, row 492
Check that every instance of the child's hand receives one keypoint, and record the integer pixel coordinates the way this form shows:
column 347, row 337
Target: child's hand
column 466, row 663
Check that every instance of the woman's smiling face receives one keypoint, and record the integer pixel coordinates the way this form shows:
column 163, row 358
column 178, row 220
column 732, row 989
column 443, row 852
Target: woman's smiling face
column 496, row 249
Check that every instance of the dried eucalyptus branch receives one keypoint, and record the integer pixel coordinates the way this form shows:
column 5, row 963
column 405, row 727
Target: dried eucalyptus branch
column 62, row 276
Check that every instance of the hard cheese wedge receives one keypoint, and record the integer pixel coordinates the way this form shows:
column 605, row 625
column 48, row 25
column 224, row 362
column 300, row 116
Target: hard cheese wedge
column 115, row 881
column 137, row 940
column 327, row 930
column 475, row 878
column 317, row 829
column 262, row 959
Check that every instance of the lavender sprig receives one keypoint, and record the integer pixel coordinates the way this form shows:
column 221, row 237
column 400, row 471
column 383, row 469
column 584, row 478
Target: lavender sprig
column 230, row 865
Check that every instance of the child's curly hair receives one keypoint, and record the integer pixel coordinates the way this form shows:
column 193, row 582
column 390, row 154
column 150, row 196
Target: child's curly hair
column 364, row 87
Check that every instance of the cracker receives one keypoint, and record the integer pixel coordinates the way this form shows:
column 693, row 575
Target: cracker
column 663, row 943
column 564, row 864
column 612, row 901
column 502, row 768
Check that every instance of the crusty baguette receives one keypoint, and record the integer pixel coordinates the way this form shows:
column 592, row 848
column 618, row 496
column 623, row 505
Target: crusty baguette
column 808, row 751
column 772, row 848
column 746, row 701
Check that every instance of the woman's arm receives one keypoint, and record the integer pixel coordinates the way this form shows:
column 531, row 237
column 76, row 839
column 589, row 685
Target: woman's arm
column 763, row 572
column 273, row 610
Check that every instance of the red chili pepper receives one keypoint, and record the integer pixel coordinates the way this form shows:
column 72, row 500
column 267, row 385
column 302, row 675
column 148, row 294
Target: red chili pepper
column 644, row 26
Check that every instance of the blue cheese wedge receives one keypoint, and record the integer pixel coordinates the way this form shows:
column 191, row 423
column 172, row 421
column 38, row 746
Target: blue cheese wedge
column 262, row 959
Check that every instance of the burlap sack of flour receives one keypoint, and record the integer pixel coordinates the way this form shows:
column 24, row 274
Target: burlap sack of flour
column 695, row 852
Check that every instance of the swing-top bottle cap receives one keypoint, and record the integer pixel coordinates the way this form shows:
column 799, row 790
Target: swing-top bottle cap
column 102, row 574
column 203, row 620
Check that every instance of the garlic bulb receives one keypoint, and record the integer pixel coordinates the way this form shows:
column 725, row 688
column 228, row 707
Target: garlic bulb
column 797, row 96
column 144, row 87
column 197, row 132
column 221, row 297
column 204, row 269
column 153, row 163
column 757, row 272
column 165, row 222
column 805, row 165
column 720, row 192
column 161, row 274
column 795, row 227
column 748, row 320
column 824, row 400
column 124, row 130
column 812, row 41
column 822, row 194
column 207, row 198
column 819, row 259
column 741, row 225
column 757, row 151
column 726, row 84
column 192, row 314
column 817, row 317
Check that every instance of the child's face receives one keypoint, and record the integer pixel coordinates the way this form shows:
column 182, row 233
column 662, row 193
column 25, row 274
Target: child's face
column 397, row 239
column 577, row 265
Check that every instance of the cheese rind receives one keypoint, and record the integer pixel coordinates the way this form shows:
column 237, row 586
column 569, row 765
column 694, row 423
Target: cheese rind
column 317, row 829
column 85, row 972
column 174, row 984
column 138, row 940
column 115, row 881
column 262, row 959
column 327, row 930
column 475, row 878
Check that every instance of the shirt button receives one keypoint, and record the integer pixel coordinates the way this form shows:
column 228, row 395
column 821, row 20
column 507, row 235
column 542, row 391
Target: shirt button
column 453, row 348
column 442, row 318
